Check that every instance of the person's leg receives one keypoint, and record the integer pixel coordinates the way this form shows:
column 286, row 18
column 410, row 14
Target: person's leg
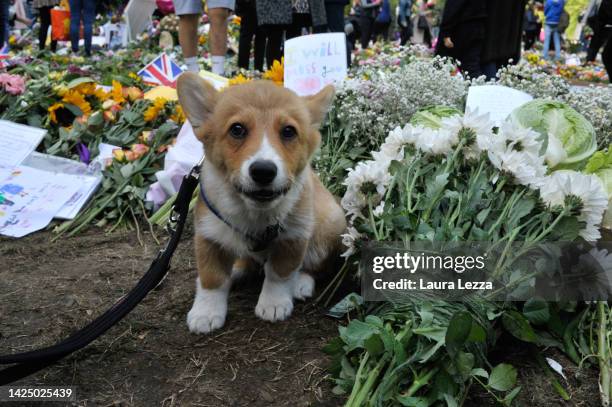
column 273, row 48
column 261, row 36
column 248, row 25
column 595, row 43
column 489, row 70
column 385, row 31
column 89, row 15
column 470, row 59
column 606, row 57
column 218, row 12
column 189, row 12
column 547, row 34
column 75, row 23
column 557, row 39
column 45, row 21
column 365, row 24
column 4, row 19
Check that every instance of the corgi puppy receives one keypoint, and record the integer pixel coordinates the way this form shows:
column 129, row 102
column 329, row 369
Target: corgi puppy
column 260, row 201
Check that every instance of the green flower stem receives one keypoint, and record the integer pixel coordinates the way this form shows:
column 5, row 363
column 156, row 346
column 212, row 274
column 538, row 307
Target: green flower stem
column 357, row 385
column 420, row 381
column 603, row 354
column 373, row 376
column 551, row 376
column 99, row 209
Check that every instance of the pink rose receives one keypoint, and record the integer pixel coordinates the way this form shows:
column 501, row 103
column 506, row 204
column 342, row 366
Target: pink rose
column 13, row 84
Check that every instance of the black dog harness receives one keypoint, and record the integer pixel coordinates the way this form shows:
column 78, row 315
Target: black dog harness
column 258, row 242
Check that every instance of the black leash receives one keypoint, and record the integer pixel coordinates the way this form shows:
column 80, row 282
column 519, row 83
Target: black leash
column 28, row 363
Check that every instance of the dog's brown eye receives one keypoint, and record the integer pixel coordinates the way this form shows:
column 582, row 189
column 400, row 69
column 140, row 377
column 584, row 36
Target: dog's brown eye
column 238, row 131
column 288, row 132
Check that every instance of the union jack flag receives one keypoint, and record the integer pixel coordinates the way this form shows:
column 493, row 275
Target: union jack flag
column 4, row 52
column 161, row 71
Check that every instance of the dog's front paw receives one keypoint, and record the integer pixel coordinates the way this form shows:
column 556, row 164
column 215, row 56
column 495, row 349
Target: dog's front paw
column 208, row 311
column 275, row 301
column 304, row 286
column 205, row 318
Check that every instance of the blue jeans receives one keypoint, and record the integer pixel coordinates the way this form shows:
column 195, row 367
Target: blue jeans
column 85, row 10
column 548, row 30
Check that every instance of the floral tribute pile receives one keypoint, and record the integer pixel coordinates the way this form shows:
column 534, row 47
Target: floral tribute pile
column 406, row 171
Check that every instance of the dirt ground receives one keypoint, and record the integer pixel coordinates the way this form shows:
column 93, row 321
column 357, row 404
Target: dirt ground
column 48, row 290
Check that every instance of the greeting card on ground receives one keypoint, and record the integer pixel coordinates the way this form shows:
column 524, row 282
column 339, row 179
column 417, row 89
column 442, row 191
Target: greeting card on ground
column 30, row 198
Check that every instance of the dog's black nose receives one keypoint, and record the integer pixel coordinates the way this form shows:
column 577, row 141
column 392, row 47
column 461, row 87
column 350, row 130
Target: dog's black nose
column 263, row 172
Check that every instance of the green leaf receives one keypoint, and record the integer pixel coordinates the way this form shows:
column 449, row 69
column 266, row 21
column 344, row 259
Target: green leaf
column 536, row 311
column 511, row 395
column 458, row 332
column 374, row 345
column 518, row 326
column 503, row 377
column 76, row 82
column 464, row 362
column 413, row 401
column 356, row 333
column 480, row 372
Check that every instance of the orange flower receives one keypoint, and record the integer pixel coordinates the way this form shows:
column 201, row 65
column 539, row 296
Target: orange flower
column 276, row 72
column 133, row 93
column 52, row 110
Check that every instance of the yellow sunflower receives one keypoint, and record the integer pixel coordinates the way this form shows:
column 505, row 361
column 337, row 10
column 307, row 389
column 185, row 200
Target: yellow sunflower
column 117, row 92
column 178, row 116
column 153, row 111
column 237, row 80
column 77, row 99
column 52, row 110
column 276, row 73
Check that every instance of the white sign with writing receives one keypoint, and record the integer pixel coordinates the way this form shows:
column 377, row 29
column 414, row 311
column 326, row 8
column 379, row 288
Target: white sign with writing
column 498, row 101
column 314, row 61
column 17, row 141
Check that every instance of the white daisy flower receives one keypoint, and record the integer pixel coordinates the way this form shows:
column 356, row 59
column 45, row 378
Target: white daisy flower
column 435, row 141
column 366, row 172
column 587, row 188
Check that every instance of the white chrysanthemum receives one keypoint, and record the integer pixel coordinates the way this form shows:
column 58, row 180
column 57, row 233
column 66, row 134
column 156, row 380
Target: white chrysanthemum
column 432, row 141
column 519, row 138
column 528, row 169
column 349, row 239
column 587, row 188
column 480, row 125
column 374, row 172
column 393, row 147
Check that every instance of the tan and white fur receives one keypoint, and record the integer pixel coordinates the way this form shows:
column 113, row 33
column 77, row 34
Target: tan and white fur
column 259, row 139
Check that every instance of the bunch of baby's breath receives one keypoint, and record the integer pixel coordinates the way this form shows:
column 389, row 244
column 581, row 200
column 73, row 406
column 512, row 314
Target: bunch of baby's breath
column 533, row 80
column 595, row 103
column 373, row 101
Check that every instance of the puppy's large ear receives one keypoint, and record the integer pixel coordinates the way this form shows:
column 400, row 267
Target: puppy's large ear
column 319, row 104
column 197, row 97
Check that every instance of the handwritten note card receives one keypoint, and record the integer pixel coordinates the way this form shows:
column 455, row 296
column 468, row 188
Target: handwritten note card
column 314, row 61
column 498, row 101
column 30, row 198
column 17, row 142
